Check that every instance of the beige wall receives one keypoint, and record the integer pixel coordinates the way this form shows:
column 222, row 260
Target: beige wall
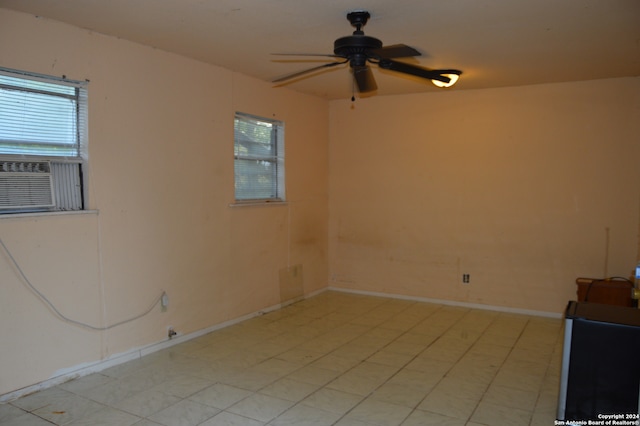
column 523, row 188
column 161, row 181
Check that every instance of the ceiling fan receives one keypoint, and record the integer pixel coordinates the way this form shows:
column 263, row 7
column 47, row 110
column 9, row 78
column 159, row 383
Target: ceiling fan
column 360, row 50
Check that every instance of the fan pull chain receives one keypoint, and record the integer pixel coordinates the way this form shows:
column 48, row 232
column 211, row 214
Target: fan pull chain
column 353, row 89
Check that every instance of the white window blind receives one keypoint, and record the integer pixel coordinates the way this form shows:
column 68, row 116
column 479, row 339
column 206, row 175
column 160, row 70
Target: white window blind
column 258, row 158
column 42, row 118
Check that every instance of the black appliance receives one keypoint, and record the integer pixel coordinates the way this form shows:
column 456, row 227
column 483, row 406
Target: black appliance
column 600, row 372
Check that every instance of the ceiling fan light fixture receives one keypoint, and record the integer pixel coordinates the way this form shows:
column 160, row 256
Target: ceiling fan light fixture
column 453, row 77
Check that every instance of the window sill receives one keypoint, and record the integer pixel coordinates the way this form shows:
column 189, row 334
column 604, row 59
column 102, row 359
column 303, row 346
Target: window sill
column 36, row 214
column 264, row 203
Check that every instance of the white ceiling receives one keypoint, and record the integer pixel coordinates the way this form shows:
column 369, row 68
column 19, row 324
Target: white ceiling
column 495, row 43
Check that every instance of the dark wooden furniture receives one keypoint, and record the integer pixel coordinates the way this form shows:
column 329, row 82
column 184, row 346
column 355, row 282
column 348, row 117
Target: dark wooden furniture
column 610, row 291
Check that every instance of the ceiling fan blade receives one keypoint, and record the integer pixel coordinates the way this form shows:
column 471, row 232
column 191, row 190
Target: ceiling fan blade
column 396, row 51
column 299, row 73
column 307, row 54
column 389, row 64
column 364, row 79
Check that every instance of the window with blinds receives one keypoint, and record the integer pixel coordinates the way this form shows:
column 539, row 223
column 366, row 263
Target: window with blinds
column 42, row 142
column 258, row 159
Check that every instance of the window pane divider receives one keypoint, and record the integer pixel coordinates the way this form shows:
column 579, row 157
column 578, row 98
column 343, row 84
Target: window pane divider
column 258, row 203
column 256, row 158
column 40, row 92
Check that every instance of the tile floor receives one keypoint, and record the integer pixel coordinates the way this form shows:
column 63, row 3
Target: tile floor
column 334, row 359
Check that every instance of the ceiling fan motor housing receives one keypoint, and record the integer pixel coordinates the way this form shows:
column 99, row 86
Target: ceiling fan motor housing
column 356, row 48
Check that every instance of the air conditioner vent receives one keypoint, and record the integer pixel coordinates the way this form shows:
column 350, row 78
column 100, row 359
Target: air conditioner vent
column 25, row 167
column 25, row 184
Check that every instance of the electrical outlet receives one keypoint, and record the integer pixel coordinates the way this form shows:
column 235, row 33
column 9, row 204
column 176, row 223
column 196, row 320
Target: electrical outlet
column 171, row 333
column 466, row 278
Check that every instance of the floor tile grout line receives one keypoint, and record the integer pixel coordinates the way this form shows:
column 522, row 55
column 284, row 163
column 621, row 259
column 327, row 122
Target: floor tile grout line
column 440, row 308
column 407, row 363
column 501, row 365
column 445, row 374
column 546, row 374
column 362, row 361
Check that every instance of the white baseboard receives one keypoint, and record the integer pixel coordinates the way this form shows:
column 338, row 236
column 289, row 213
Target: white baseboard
column 451, row 303
column 64, row 375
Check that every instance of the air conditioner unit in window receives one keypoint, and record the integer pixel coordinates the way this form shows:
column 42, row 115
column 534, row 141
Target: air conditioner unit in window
column 26, row 185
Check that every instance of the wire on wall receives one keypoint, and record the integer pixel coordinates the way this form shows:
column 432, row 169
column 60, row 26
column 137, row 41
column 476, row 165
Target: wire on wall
column 607, row 243
column 59, row 314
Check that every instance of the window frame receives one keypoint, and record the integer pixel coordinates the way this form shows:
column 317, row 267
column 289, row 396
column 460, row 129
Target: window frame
column 75, row 162
column 276, row 159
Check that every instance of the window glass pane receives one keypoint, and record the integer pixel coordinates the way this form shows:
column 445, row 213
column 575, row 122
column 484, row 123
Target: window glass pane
column 255, row 179
column 253, row 138
column 38, row 118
